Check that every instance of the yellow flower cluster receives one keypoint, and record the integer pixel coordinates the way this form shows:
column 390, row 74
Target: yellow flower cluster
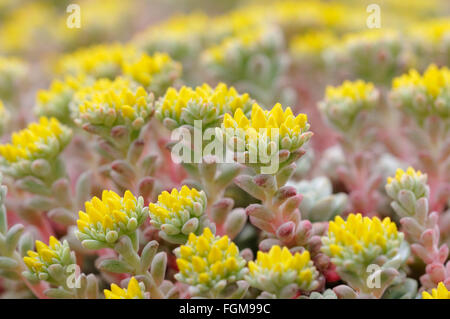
column 433, row 81
column 55, row 253
column 357, row 90
column 44, row 139
column 400, row 173
column 43, row 255
column 343, row 104
column 24, row 28
column 55, row 101
column 144, row 69
column 206, row 260
column 98, row 61
column 423, row 95
column 220, row 100
column 106, row 219
column 111, row 103
column 172, row 205
column 434, row 31
column 358, row 233
column 315, row 14
column 275, row 122
column 441, row 292
column 133, row 291
column 312, row 43
column 179, row 213
column 412, row 181
column 280, row 267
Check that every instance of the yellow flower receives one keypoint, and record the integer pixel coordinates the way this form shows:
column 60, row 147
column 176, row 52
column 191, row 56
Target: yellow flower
column 114, row 15
column 400, row 173
column 423, row 95
column 106, row 219
column 23, row 29
column 146, row 69
column 98, row 61
column 55, row 252
column 171, row 205
column 133, row 291
column 200, row 101
column 45, row 139
column 110, row 103
column 440, row 293
column 433, row 31
column 281, row 268
column 433, row 81
column 206, row 260
column 359, row 233
column 358, row 90
column 312, row 43
column 179, row 213
column 55, row 101
column 275, row 122
column 343, row 104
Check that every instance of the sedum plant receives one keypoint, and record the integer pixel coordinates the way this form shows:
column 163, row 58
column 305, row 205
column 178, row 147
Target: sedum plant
column 211, row 266
column 358, row 243
column 281, row 274
column 179, row 213
column 165, row 164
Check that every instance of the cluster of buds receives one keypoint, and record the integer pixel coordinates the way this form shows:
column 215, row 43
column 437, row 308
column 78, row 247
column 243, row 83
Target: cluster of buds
column 12, row 71
column 431, row 40
column 372, row 55
column 211, row 266
column 311, row 48
column 281, row 274
column 49, row 263
column 114, row 110
column 267, row 137
column 33, row 151
column 56, row 264
column 409, row 193
column 344, row 105
column 107, row 219
column 360, row 243
column 156, row 73
column 134, row 290
column 99, row 61
column 187, row 105
column 423, row 95
column 179, row 213
column 318, row 203
column 55, row 102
